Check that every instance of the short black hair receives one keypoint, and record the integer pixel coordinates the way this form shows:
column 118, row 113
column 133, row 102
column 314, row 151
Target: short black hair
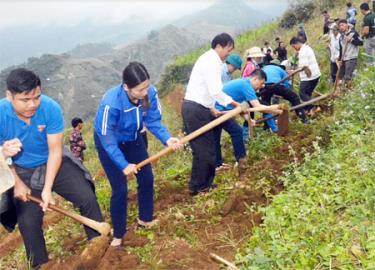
column 324, row 12
column 266, row 43
column 349, row 4
column 76, row 121
column 342, row 21
column 259, row 73
column 22, row 80
column 223, row 40
column 364, row 6
column 294, row 40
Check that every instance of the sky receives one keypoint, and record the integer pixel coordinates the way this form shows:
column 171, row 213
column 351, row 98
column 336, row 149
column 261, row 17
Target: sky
column 70, row 12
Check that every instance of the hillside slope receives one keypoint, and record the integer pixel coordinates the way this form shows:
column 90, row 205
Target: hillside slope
column 306, row 202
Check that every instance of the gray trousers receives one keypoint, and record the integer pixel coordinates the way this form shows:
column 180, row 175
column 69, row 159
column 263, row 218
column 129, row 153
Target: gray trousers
column 370, row 50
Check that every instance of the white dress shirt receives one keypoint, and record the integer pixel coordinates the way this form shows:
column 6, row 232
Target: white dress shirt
column 334, row 47
column 205, row 86
column 306, row 57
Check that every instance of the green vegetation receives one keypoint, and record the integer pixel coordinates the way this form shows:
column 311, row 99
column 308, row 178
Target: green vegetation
column 322, row 219
column 325, row 217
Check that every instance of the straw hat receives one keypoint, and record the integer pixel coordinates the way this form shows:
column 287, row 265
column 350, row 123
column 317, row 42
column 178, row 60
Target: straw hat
column 254, row 52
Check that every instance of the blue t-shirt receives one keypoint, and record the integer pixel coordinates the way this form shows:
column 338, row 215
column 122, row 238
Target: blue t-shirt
column 239, row 90
column 275, row 74
column 225, row 75
column 48, row 119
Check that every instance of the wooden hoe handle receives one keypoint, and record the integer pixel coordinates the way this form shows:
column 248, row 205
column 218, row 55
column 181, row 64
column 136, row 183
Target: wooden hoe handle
column 101, row 227
column 244, row 107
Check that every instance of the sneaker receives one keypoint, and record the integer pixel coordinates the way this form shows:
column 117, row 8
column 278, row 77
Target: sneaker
column 147, row 225
column 223, row 167
column 203, row 191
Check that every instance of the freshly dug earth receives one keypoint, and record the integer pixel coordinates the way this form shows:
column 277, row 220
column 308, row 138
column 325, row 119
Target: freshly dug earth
column 184, row 240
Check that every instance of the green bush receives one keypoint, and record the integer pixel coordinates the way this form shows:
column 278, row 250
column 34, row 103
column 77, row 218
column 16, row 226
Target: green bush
column 300, row 11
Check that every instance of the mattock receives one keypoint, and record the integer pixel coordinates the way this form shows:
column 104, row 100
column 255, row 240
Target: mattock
column 7, row 181
column 244, row 107
column 283, row 119
column 102, row 227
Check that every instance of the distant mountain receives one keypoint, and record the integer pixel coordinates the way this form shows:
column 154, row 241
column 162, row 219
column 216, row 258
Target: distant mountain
column 234, row 15
column 78, row 84
column 78, row 78
column 55, row 39
column 91, row 50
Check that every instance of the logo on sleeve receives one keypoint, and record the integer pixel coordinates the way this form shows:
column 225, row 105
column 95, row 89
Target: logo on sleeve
column 41, row 128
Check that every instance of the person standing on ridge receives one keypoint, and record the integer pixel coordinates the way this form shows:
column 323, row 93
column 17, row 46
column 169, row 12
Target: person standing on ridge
column 77, row 144
column 281, row 52
column 334, row 50
column 349, row 51
column 351, row 12
column 368, row 33
column 310, row 76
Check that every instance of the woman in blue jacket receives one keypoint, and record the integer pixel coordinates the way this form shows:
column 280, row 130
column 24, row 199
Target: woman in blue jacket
column 120, row 118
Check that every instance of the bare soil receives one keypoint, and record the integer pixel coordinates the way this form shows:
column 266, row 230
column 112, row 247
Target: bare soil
column 185, row 241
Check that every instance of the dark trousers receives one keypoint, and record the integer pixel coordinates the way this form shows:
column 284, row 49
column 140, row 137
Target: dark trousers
column 334, row 69
column 204, row 155
column 69, row 183
column 134, row 152
column 235, row 132
column 306, row 89
column 144, row 137
column 280, row 90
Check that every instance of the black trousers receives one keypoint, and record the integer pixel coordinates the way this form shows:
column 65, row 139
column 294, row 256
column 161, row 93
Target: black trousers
column 266, row 94
column 71, row 184
column 334, row 69
column 204, row 156
column 306, row 88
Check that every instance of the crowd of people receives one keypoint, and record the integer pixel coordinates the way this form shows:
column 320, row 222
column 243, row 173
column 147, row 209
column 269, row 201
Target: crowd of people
column 31, row 124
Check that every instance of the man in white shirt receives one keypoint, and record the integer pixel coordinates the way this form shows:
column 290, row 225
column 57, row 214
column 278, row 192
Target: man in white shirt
column 334, row 50
column 203, row 90
column 310, row 76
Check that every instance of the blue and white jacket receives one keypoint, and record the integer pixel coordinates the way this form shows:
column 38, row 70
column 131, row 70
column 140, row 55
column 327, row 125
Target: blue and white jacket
column 119, row 120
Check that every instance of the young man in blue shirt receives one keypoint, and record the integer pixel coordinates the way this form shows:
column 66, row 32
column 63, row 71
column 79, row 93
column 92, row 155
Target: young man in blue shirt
column 31, row 133
column 240, row 90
